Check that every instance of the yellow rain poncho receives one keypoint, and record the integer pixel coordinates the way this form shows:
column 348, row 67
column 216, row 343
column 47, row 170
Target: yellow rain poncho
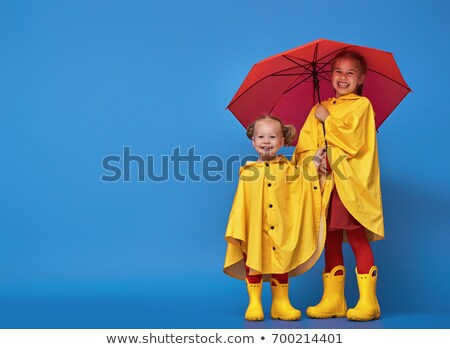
column 353, row 156
column 276, row 220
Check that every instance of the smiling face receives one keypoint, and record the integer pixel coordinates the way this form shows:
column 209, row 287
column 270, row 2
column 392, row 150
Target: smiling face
column 267, row 138
column 346, row 76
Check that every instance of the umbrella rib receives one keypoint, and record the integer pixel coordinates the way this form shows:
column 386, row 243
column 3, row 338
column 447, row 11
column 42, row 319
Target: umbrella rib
column 389, row 78
column 279, row 73
column 255, row 83
column 296, row 84
column 289, row 74
column 306, row 66
column 308, row 63
column 302, row 81
column 307, row 76
column 274, row 105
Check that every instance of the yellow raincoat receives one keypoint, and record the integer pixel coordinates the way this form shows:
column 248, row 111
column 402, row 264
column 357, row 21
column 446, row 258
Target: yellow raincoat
column 353, row 156
column 276, row 220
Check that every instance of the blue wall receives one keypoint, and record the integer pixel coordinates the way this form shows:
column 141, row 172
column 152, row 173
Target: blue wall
column 82, row 80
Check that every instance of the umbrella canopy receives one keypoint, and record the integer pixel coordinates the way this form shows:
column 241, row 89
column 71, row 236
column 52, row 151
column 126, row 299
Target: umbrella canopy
column 289, row 84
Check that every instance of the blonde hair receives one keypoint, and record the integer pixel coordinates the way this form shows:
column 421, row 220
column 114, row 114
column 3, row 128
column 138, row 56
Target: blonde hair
column 289, row 132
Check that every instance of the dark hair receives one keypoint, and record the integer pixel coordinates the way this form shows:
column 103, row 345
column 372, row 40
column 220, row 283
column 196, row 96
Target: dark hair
column 289, row 132
column 355, row 56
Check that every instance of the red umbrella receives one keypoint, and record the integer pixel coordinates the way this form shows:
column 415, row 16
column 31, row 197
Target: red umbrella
column 289, row 84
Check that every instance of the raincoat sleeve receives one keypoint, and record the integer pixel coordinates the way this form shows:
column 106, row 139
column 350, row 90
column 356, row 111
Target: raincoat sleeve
column 308, row 141
column 347, row 131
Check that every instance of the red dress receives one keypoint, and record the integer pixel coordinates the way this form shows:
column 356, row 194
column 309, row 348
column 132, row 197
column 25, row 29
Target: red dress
column 338, row 216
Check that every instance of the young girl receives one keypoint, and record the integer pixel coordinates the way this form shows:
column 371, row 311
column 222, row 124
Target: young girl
column 346, row 124
column 275, row 228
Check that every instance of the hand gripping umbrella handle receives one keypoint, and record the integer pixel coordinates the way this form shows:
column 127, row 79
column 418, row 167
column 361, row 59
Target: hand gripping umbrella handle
column 323, row 128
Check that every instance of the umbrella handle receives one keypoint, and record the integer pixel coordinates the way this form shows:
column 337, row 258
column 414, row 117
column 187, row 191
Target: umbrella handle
column 324, row 134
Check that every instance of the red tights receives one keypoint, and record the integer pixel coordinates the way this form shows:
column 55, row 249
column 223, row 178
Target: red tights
column 360, row 247
column 256, row 279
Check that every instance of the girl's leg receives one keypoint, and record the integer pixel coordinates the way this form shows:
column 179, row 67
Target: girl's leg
column 361, row 249
column 252, row 279
column 281, row 278
column 254, row 310
column 333, row 302
column 282, row 308
column 367, row 307
column 333, row 251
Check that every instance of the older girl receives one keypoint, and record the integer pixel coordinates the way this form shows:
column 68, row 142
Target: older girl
column 353, row 194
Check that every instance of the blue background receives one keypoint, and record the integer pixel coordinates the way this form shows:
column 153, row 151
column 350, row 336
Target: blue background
column 81, row 80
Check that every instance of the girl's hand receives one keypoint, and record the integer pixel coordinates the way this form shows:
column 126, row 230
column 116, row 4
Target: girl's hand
column 320, row 162
column 321, row 113
column 323, row 168
column 319, row 159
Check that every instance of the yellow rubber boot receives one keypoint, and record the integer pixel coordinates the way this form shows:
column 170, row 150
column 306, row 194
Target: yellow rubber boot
column 254, row 310
column 333, row 302
column 281, row 306
column 367, row 307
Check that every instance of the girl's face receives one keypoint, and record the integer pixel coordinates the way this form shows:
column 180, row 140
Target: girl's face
column 267, row 138
column 346, row 76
